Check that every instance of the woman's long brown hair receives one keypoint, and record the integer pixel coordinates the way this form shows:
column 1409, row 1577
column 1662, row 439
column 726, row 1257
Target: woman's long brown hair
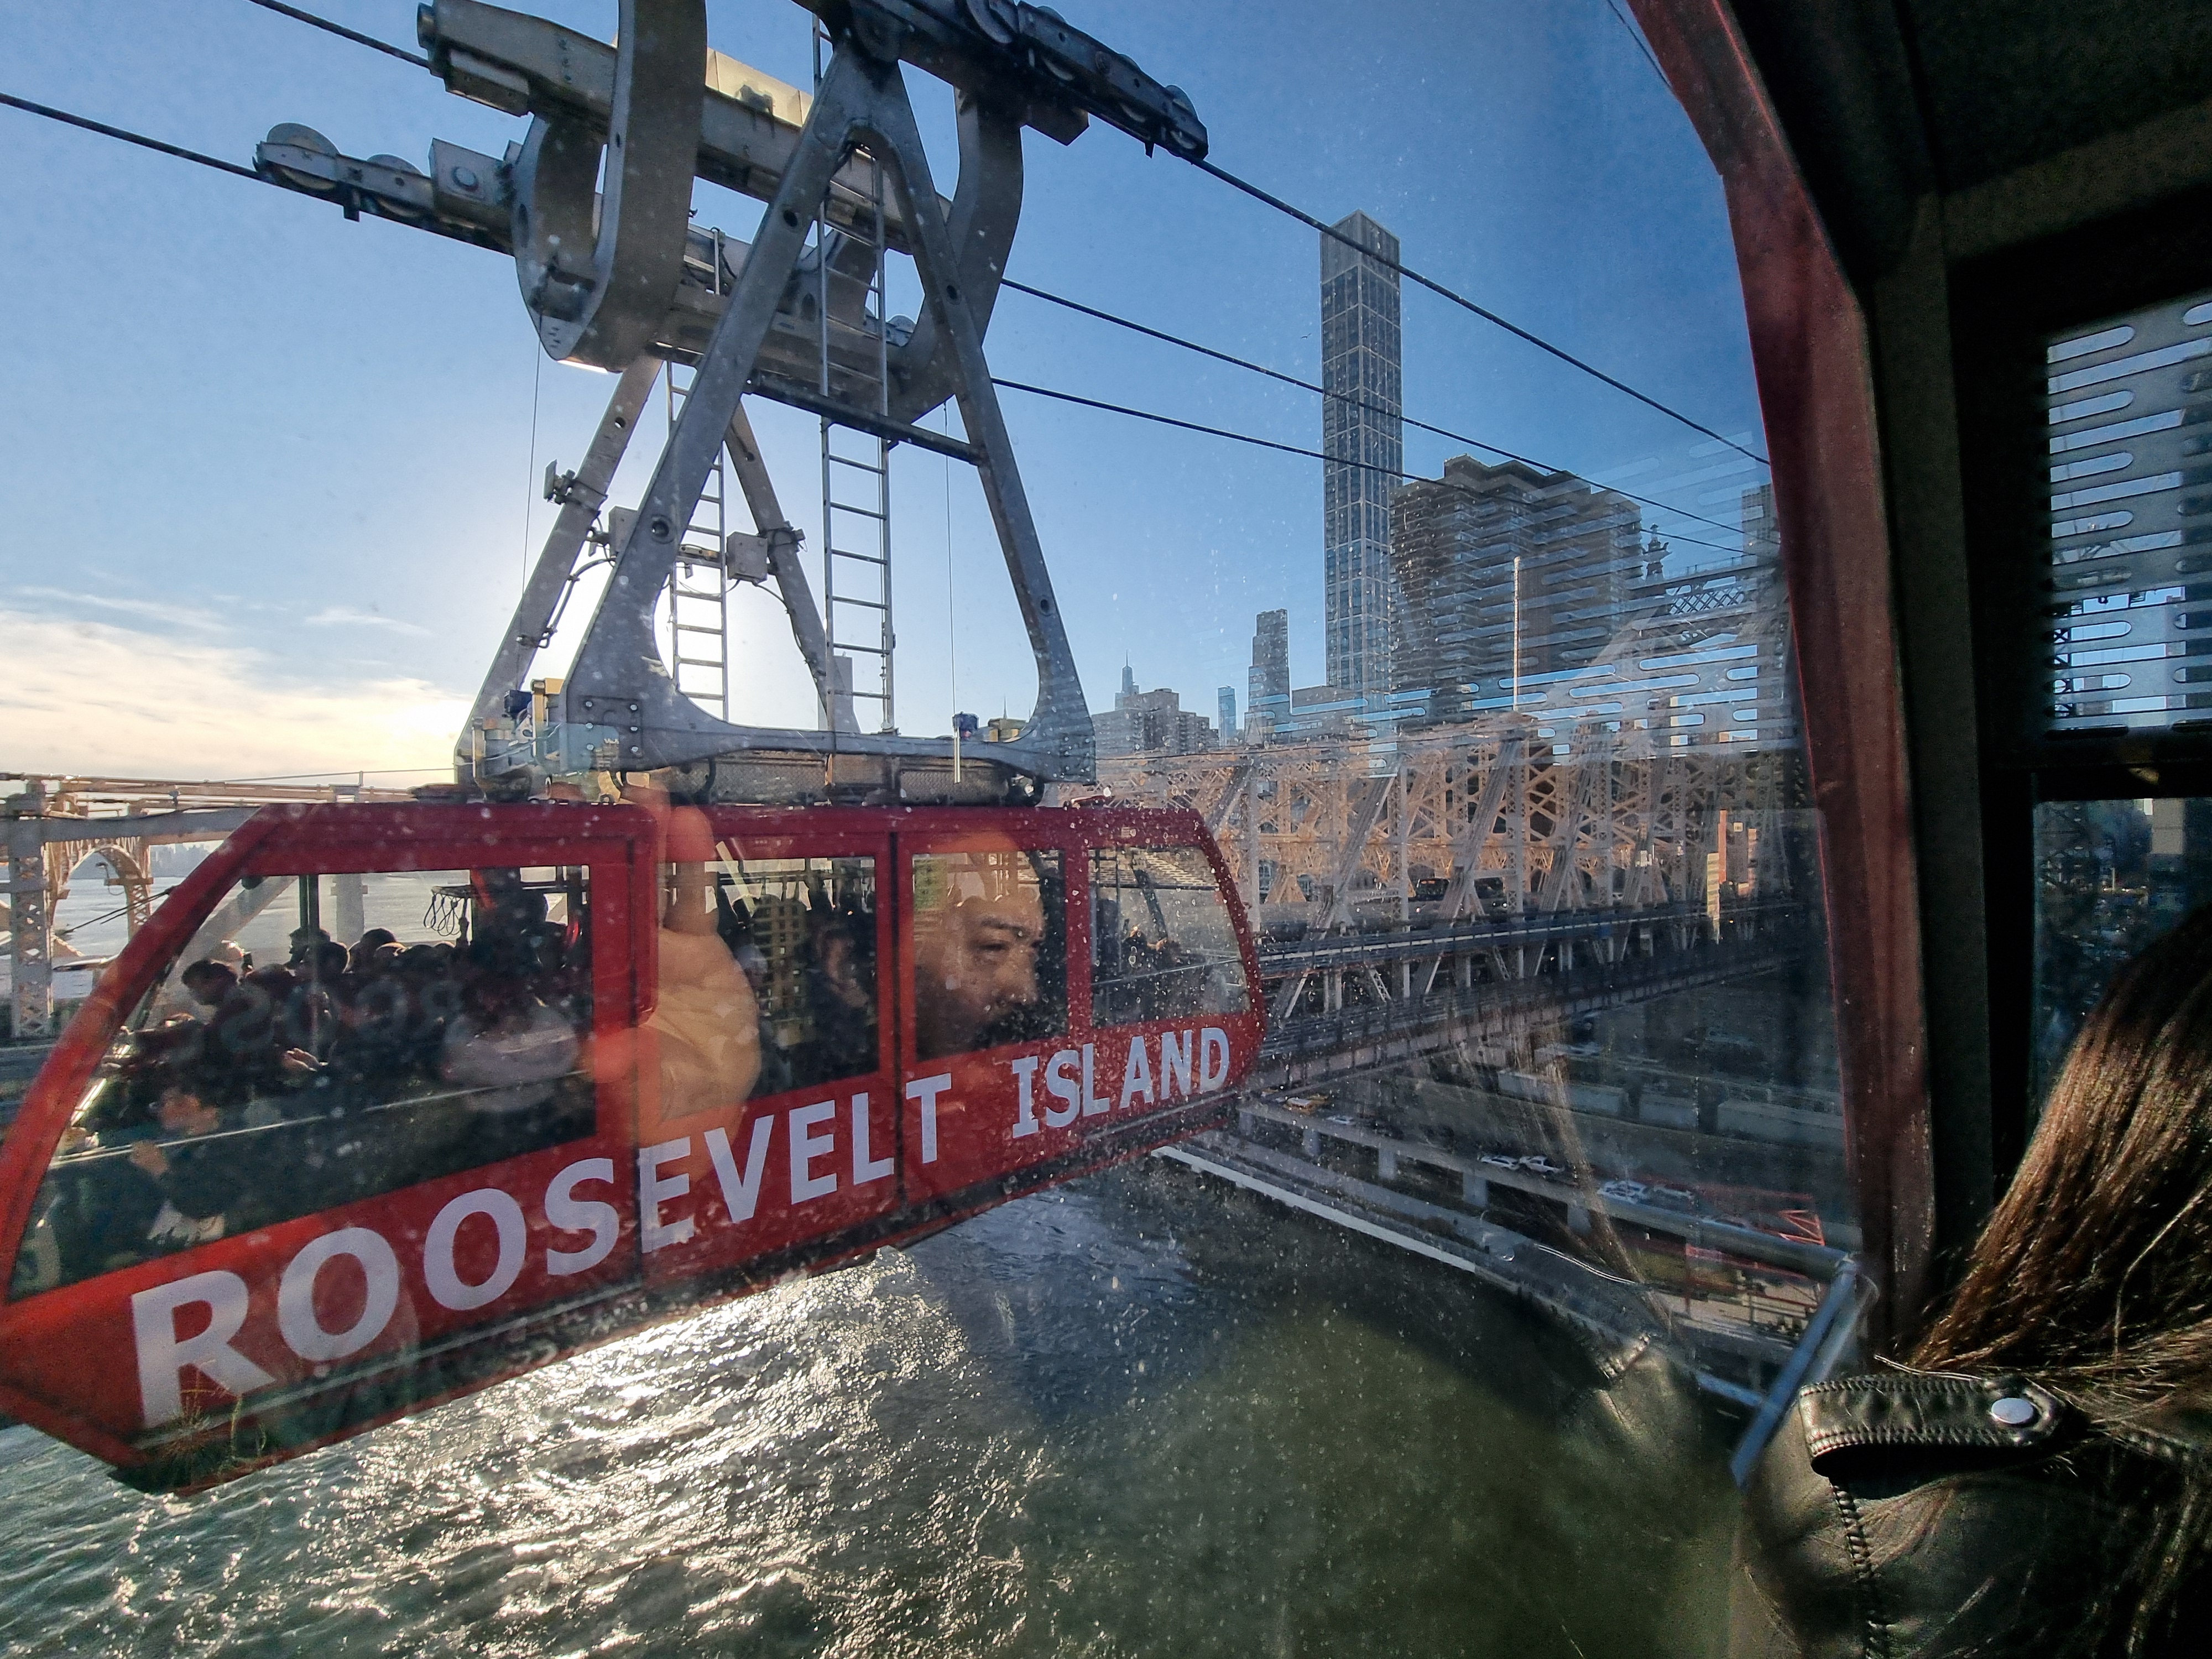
column 2094, row 1274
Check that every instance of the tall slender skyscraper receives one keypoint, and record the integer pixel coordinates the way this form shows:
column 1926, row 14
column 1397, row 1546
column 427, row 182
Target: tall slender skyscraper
column 1268, row 687
column 1364, row 438
column 1270, row 674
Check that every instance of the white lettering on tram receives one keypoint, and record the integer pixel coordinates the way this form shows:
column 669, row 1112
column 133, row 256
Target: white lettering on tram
column 1060, row 1079
column 1136, row 1076
column 654, row 1189
column 1094, row 1104
column 740, row 1192
column 865, row 1169
column 1212, row 1059
column 1174, row 1064
column 565, row 1211
column 163, row 1355
column 296, row 1294
column 1071, row 1076
column 806, row 1146
column 1025, row 1122
column 925, row 1090
column 443, row 1276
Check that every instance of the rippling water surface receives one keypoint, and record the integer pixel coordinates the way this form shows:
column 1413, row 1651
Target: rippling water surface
column 1142, row 1414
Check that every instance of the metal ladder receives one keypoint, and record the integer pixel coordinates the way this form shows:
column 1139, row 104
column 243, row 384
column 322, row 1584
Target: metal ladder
column 698, row 589
column 856, row 534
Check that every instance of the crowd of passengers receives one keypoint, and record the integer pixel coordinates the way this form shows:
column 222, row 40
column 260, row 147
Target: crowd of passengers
column 257, row 1093
column 1151, row 979
column 736, row 1020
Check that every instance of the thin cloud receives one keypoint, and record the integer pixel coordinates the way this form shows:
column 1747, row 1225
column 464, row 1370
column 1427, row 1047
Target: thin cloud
column 95, row 697
column 182, row 615
column 344, row 615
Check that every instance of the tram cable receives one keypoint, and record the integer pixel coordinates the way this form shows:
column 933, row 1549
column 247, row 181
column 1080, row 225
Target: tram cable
column 1636, row 34
column 1280, row 206
column 1343, row 398
column 157, row 145
column 1462, row 301
column 137, row 138
column 1272, row 443
column 341, row 31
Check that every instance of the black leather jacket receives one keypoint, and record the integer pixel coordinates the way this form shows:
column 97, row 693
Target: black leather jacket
column 1906, row 1516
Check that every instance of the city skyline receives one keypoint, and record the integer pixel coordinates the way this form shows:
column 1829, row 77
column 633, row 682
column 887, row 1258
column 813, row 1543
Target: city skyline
column 348, row 422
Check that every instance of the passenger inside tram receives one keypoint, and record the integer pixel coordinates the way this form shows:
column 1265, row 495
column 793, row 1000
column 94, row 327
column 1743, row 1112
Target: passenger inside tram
column 197, row 1181
column 2040, row 1478
column 784, row 983
column 369, row 1064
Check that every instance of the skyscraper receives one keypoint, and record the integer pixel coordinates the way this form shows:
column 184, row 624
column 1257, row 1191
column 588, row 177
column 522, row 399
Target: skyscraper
column 1506, row 573
column 1267, row 687
column 1270, row 657
column 1225, row 700
column 1364, row 438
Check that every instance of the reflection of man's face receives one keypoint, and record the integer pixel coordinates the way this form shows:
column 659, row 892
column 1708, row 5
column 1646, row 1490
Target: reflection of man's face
column 978, row 964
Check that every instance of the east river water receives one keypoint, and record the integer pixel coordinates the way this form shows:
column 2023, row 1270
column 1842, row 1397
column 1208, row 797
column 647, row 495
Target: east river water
column 1144, row 1415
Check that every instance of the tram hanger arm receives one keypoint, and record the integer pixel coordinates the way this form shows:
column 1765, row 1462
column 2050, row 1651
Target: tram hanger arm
column 749, row 122
column 1010, row 51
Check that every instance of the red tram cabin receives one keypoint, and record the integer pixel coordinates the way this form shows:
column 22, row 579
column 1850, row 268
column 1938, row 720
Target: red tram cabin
column 388, row 1103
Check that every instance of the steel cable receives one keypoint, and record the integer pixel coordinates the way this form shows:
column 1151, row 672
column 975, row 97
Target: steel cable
column 1342, row 397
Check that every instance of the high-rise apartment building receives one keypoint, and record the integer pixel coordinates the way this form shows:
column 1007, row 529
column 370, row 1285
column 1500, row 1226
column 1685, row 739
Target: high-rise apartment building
column 1267, row 683
column 1762, row 531
column 1149, row 722
column 1363, row 439
column 1270, row 674
column 1505, row 571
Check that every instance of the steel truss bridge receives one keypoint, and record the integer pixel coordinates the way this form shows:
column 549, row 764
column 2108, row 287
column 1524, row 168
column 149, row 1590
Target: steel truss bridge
column 1492, row 992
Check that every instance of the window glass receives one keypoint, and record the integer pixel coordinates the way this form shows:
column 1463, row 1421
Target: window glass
column 990, row 949
column 2111, row 876
column 768, row 976
column 2124, row 638
column 1162, row 945
column 1476, row 665
column 320, row 1040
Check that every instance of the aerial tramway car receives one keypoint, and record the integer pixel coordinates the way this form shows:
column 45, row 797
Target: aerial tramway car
column 388, row 1101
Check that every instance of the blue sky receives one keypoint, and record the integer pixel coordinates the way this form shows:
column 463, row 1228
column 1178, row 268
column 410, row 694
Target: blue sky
column 268, row 476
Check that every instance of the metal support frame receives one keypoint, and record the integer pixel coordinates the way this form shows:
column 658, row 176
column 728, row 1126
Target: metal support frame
column 580, row 493
column 618, row 684
column 598, row 270
column 609, row 276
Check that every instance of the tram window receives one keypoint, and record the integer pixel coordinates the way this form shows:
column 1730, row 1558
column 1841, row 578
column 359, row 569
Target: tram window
column 990, row 949
column 2111, row 877
column 768, row 977
column 320, row 1040
column 1162, row 946
column 2125, row 556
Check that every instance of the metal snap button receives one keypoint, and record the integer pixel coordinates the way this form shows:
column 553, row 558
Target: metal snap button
column 2014, row 1411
